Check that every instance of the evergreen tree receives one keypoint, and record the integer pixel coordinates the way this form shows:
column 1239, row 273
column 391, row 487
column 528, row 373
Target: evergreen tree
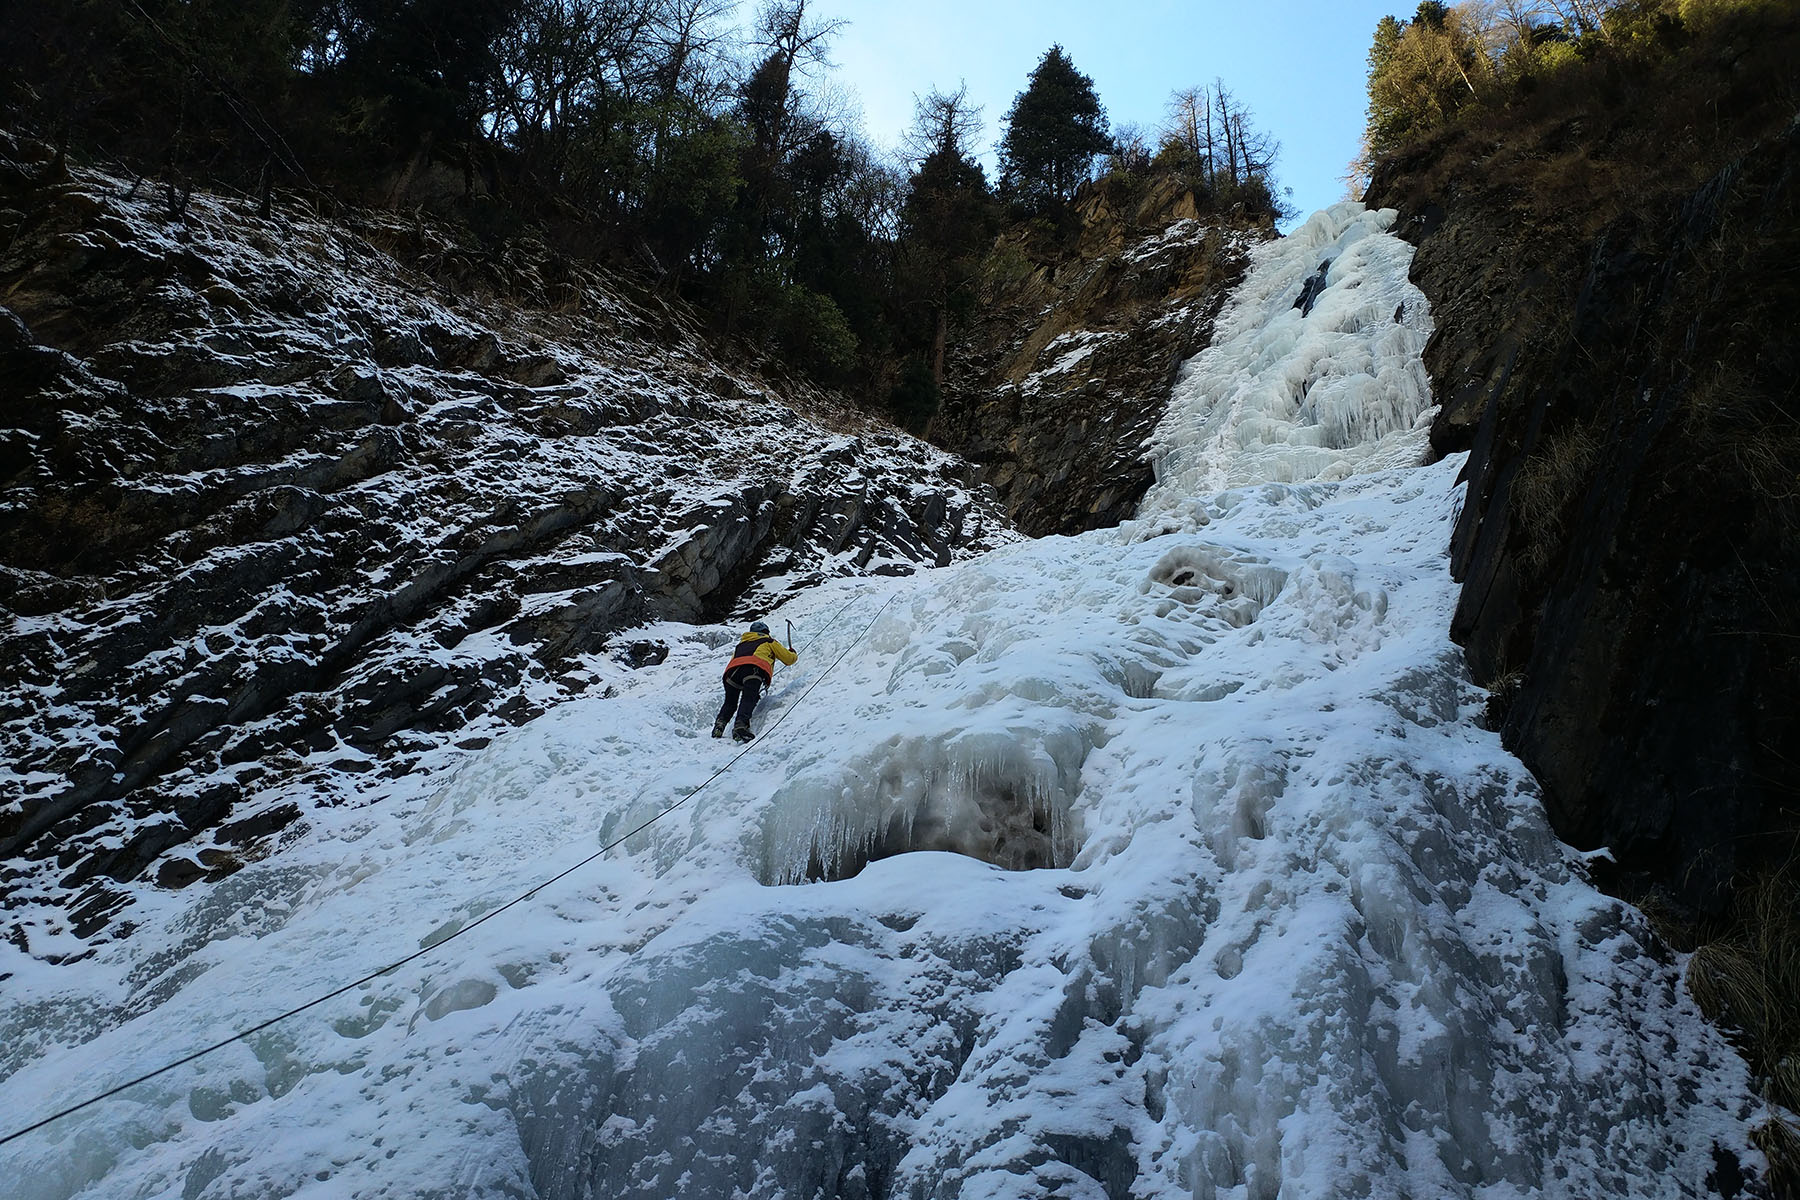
column 948, row 221
column 1431, row 14
column 1055, row 128
column 1386, row 120
column 1422, row 73
column 410, row 72
column 689, row 183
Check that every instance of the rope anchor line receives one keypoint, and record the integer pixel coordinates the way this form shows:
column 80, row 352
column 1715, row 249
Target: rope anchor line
column 485, row 917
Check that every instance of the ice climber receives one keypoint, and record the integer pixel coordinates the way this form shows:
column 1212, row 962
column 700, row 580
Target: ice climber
column 752, row 665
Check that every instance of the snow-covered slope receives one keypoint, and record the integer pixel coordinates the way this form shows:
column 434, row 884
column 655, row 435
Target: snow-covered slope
column 292, row 507
column 1293, row 924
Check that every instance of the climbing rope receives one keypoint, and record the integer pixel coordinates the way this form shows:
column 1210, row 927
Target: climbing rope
column 485, row 917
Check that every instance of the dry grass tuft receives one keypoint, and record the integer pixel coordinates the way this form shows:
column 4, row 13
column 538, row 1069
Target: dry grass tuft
column 1747, row 432
column 1546, row 487
column 1745, row 975
column 1728, row 982
column 1779, row 1139
column 1748, row 979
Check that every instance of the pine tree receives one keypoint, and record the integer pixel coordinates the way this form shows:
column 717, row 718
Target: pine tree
column 1386, row 121
column 948, row 219
column 1055, row 128
column 1431, row 14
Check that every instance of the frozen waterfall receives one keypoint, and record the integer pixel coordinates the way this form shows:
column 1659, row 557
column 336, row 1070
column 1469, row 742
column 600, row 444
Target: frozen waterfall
column 1163, row 861
column 1284, row 396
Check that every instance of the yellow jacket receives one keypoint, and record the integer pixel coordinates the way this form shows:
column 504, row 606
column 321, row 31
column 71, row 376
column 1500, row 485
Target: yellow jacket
column 761, row 651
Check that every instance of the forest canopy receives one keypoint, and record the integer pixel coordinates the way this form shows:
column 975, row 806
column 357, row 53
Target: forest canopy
column 1480, row 56
column 707, row 147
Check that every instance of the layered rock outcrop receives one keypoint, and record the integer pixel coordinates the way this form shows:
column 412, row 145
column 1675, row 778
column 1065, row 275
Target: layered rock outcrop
column 1066, row 369
column 1622, row 369
column 298, row 506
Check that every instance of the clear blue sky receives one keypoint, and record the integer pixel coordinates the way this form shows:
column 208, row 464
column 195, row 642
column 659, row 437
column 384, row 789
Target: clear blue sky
column 1299, row 65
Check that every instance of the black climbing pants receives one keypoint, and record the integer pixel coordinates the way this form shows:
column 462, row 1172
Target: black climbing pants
column 743, row 688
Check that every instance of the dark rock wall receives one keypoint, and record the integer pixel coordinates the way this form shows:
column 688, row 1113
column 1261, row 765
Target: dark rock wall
column 1067, row 369
column 1624, row 377
column 291, row 508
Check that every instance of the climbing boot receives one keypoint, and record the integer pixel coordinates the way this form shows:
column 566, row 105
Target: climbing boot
column 741, row 734
column 719, row 727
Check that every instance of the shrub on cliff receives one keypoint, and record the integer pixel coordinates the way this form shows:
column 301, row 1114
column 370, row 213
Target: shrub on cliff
column 810, row 333
column 913, row 400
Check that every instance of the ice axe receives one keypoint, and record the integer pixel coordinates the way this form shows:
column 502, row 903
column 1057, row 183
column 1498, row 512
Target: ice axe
column 790, row 646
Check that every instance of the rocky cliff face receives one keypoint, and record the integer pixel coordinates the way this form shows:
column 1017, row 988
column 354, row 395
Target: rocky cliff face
column 293, row 507
column 1067, row 368
column 1616, row 346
